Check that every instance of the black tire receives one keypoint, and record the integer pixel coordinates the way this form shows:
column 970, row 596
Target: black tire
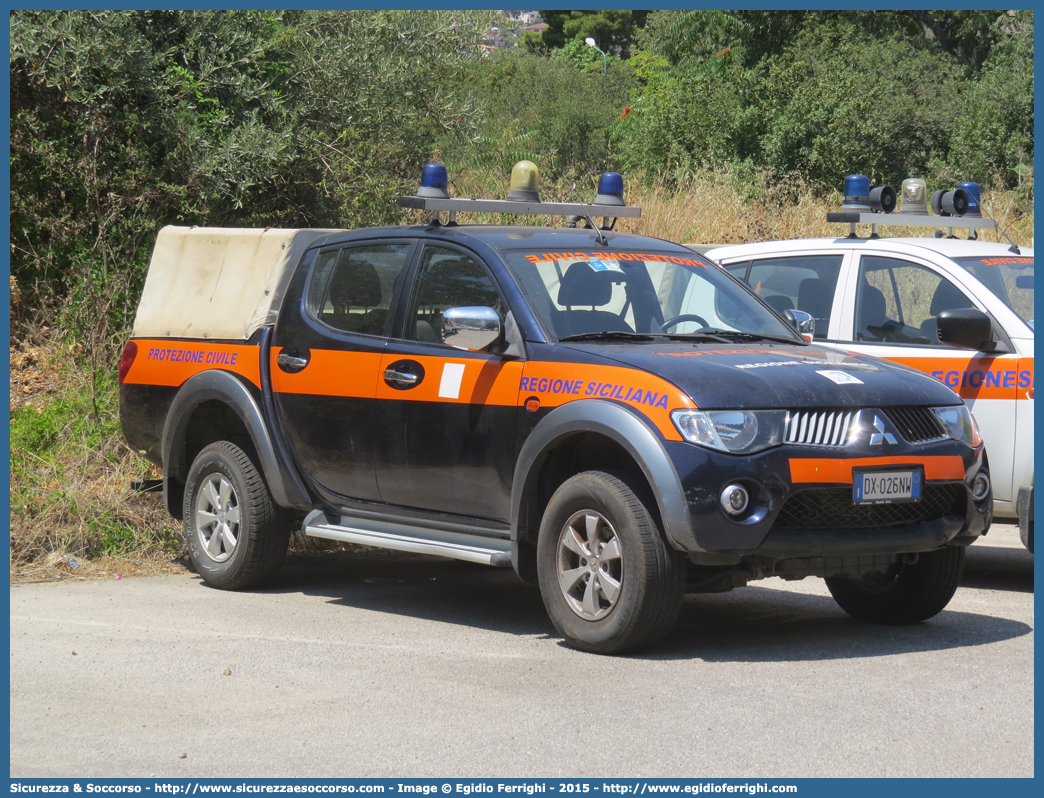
column 245, row 543
column 595, row 615
column 910, row 594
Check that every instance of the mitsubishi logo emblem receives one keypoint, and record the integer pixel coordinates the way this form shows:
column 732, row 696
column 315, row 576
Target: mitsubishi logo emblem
column 880, row 435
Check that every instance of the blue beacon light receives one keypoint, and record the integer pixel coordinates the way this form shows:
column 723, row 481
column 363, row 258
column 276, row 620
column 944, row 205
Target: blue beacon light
column 434, row 181
column 972, row 190
column 857, row 192
column 610, row 189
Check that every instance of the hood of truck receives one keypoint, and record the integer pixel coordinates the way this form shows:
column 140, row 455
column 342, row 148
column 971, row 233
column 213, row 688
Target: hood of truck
column 774, row 375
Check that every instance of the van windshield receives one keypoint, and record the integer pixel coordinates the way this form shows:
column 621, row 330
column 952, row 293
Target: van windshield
column 645, row 293
column 1010, row 278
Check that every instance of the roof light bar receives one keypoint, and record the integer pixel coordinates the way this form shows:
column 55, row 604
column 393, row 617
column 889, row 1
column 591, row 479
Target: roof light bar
column 952, row 208
column 523, row 198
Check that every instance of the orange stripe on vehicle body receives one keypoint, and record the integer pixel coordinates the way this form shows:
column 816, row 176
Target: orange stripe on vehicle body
column 556, row 384
column 485, row 380
column 834, row 470
column 329, row 372
column 978, row 377
column 170, row 363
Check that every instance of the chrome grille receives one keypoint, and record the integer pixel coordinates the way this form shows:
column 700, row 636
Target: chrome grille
column 916, row 424
column 819, row 427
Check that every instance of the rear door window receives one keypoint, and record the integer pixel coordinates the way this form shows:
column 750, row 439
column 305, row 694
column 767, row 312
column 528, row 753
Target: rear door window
column 351, row 288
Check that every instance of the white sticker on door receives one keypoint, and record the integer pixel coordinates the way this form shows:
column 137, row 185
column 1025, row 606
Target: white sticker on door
column 841, row 377
column 452, row 374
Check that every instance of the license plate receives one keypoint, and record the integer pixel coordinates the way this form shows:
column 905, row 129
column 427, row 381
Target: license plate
column 885, row 487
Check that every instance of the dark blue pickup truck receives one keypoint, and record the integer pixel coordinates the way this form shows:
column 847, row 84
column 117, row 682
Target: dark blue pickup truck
column 609, row 414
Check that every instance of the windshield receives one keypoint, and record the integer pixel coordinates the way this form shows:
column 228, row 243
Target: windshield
column 583, row 293
column 1010, row 278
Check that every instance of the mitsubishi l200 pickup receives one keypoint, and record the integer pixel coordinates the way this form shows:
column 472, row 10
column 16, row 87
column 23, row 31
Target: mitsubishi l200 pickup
column 611, row 415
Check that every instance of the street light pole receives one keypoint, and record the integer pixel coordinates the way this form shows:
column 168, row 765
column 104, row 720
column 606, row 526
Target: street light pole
column 591, row 43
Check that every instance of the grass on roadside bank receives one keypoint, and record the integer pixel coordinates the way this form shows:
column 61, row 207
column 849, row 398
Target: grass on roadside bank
column 71, row 473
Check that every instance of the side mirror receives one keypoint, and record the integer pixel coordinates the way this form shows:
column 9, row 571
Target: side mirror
column 803, row 322
column 470, row 328
column 968, row 328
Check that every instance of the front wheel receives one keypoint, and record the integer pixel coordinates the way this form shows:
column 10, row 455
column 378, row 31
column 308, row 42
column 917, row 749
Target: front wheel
column 237, row 536
column 609, row 580
column 913, row 592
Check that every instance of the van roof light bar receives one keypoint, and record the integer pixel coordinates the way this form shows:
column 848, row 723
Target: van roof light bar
column 954, row 209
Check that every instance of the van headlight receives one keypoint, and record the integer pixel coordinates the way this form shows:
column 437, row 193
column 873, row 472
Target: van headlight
column 732, row 431
column 959, row 424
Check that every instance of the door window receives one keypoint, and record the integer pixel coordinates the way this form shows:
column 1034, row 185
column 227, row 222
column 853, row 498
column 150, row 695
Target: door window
column 899, row 302
column 351, row 288
column 447, row 278
column 803, row 282
column 1009, row 278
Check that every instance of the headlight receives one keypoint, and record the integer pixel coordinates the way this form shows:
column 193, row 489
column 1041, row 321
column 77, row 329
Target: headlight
column 733, row 431
column 959, row 424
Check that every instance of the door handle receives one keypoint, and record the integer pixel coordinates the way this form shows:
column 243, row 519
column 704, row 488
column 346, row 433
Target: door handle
column 400, row 376
column 292, row 363
column 403, row 374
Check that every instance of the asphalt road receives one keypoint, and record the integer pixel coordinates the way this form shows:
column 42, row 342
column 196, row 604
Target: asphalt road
column 394, row 665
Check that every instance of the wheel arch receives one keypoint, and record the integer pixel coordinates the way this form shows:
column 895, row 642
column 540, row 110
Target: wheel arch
column 618, row 440
column 217, row 405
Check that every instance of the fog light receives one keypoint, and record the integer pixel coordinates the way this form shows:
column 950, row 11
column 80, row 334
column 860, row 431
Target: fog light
column 980, row 486
column 734, row 499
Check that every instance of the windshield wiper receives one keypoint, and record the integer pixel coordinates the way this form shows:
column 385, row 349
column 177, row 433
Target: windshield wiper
column 730, row 335
column 608, row 335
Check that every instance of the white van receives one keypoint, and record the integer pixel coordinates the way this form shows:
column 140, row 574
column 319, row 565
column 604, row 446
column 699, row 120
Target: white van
column 883, row 296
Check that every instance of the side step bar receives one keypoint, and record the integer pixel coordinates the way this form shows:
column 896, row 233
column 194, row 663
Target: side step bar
column 388, row 535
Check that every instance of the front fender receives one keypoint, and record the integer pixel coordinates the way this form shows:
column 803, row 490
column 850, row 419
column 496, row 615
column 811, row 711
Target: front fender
column 629, row 431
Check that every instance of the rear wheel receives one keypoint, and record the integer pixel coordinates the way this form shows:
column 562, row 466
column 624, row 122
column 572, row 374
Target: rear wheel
column 609, row 580
column 913, row 592
column 237, row 536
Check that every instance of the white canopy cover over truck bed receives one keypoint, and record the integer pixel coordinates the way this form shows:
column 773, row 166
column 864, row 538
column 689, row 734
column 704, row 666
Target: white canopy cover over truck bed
column 217, row 283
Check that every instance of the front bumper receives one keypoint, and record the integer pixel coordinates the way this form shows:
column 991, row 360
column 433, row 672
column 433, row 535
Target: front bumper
column 801, row 501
